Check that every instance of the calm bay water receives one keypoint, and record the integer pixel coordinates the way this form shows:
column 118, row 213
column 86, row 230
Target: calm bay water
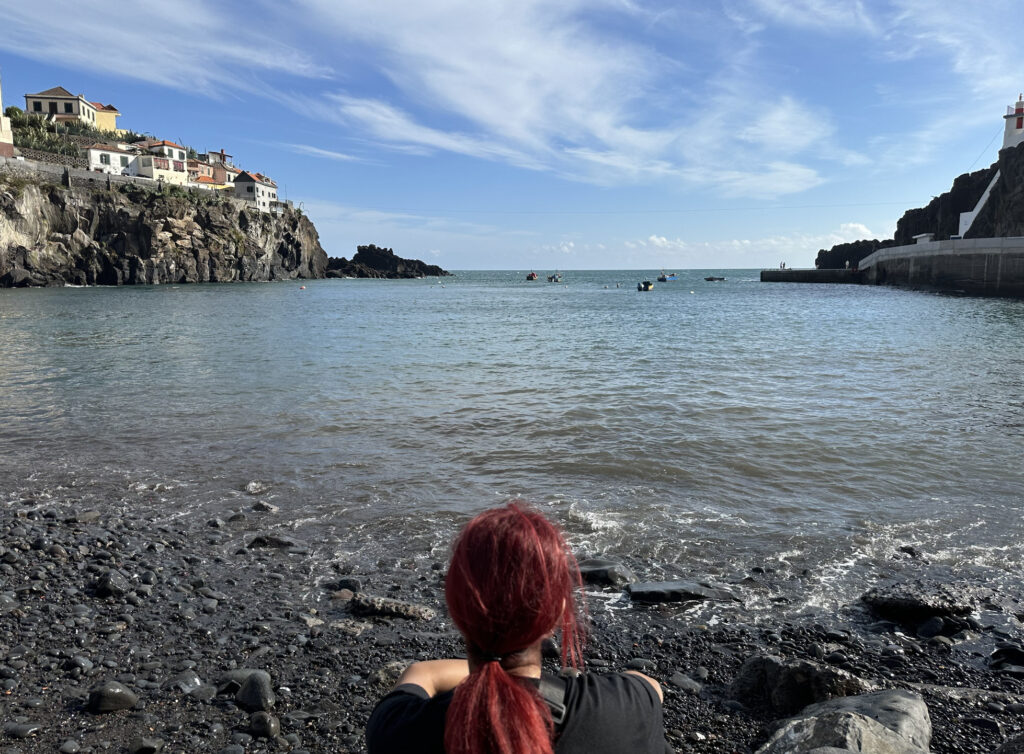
column 696, row 430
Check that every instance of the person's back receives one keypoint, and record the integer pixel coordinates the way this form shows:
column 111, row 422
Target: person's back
column 511, row 584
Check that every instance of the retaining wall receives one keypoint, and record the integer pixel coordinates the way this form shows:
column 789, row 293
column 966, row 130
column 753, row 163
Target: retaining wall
column 810, row 276
column 980, row 266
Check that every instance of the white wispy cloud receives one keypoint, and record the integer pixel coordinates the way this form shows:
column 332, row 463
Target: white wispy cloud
column 610, row 92
column 828, row 15
column 325, row 153
column 661, row 250
column 190, row 45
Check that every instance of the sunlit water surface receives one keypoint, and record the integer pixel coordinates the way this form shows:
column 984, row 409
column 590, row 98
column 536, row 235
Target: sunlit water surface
column 698, row 430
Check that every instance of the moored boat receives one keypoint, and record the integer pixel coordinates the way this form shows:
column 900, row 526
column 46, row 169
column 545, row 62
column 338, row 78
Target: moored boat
column 713, row 278
column 646, row 285
column 555, row 278
column 667, row 277
column 532, row 276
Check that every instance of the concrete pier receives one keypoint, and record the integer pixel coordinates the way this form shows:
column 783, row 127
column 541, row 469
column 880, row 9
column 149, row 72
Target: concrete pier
column 810, row 276
column 976, row 266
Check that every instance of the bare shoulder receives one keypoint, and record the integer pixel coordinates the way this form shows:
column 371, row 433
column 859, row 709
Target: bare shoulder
column 654, row 684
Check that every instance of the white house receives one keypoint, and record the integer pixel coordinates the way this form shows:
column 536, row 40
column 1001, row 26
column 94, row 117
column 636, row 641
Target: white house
column 109, row 159
column 257, row 188
column 6, row 134
column 165, row 149
column 60, row 104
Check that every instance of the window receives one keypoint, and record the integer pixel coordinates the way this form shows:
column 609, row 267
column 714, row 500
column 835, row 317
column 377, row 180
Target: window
column 104, row 159
column 124, row 161
column 249, row 189
column 53, row 107
column 37, row 106
column 68, row 108
column 181, row 155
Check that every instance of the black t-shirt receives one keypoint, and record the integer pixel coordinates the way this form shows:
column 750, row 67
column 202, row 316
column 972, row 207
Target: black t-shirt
column 605, row 714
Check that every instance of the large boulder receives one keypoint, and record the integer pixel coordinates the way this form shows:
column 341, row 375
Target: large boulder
column 606, row 572
column 884, row 722
column 914, row 602
column 680, row 591
column 786, row 687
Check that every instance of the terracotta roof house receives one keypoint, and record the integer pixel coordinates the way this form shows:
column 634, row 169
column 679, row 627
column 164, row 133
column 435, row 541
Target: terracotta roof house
column 61, row 105
column 165, row 148
column 256, row 188
column 106, row 116
column 110, row 159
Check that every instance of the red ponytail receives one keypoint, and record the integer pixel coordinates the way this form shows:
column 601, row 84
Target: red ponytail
column 512, row 580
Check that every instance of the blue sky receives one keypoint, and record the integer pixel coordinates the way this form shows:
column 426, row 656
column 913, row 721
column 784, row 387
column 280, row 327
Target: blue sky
column 570, row 134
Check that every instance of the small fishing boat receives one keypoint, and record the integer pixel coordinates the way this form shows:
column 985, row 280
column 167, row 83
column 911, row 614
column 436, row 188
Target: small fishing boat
column 646, row 285
column 532, row 276
column 665, row 278
column 556, row 278
column 713, row 278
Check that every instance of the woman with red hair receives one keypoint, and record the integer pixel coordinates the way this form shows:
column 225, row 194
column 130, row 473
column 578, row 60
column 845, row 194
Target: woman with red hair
column 510, row 585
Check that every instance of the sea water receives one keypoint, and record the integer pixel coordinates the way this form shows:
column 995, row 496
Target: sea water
column 698, row 430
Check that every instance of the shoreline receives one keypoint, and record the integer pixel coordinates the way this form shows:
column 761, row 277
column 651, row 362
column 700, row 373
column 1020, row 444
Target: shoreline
column 174, row 613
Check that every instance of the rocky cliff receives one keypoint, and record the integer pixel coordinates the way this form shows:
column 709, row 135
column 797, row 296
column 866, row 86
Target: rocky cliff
column 1002, row 215
column 125, row 234
column 374, row 262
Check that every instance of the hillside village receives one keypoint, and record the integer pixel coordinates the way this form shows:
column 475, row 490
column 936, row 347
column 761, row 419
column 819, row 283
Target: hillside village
column 85, row 136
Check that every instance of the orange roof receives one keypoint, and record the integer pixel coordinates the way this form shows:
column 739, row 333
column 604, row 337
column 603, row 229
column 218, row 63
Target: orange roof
column 164, row 144
column 205, row 179
column 101, row 106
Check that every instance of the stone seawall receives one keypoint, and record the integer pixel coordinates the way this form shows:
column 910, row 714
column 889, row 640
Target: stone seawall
column 978, row 266
column 810, row 276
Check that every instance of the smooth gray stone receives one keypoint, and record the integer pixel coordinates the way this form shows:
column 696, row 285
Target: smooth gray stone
column 264, row 725
column 110, row 697
column 679, row 591
column 22, row 730
column 256, row 693
column 883, row 722
column 112, row 584
column 787, row 687
column 187, row 681
column 609, row 572
column 684, row 682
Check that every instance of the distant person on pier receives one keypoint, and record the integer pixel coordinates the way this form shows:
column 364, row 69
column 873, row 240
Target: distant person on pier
column 510, row 585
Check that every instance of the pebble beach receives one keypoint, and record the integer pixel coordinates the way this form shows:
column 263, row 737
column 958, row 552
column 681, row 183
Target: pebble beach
column 123, row 636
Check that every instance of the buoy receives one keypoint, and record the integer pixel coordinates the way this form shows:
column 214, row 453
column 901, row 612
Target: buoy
column 691, row 291
column 302, row 287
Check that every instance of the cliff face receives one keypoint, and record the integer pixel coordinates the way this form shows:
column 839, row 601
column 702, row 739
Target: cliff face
column 1003, row 213
column 1001, row 217
column 52, row 235
column 942, row 214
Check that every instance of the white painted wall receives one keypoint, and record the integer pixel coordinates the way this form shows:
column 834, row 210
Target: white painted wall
column 114, row 163
column 1013, row 136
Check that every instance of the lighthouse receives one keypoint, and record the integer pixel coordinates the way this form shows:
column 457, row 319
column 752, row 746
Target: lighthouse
column 1014, row 117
